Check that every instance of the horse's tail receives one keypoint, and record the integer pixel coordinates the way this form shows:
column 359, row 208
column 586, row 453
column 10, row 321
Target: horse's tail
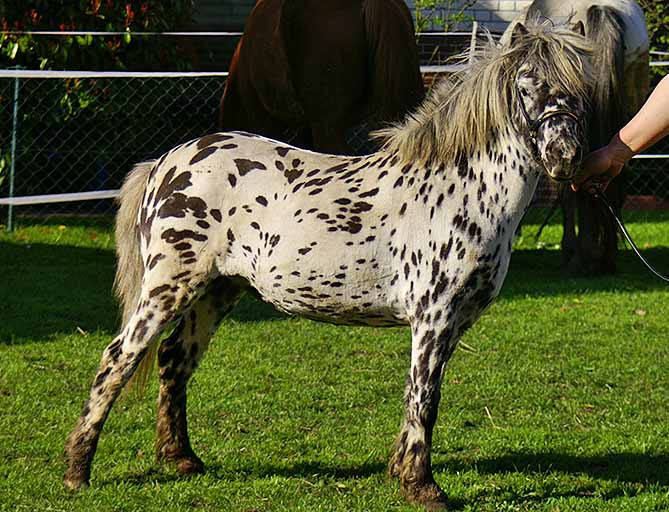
column 606, row 29
column 391, row 43
column 130, row 267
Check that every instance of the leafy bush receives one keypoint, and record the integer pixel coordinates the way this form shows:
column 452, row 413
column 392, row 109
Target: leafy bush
column 91, row 52
column 64, row 105
column 441, row 14
column 657, row 21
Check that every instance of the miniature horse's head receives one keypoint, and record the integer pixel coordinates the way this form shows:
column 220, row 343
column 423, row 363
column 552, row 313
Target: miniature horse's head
column 551, row 88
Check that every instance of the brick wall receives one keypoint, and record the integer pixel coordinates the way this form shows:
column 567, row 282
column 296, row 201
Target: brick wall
column 494, row 15
column 231, row 14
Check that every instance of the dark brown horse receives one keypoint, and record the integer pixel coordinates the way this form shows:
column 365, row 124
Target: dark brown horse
column 306, row 71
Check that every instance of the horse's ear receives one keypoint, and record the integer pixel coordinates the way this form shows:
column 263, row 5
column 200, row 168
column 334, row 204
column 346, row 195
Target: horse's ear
column 519, row 31
column 579, row 28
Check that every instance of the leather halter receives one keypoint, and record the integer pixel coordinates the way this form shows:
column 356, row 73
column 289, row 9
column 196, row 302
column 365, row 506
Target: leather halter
column 533, row 125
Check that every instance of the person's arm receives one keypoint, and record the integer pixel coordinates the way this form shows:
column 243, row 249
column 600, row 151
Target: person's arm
column 650, row 124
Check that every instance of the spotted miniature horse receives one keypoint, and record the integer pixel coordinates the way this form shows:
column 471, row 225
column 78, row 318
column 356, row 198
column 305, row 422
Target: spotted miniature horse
column 419, row 233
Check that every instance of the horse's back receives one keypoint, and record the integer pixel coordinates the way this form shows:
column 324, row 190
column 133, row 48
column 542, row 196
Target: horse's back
column 636, row 33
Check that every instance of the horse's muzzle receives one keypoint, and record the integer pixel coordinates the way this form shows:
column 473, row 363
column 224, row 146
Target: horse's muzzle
column 562, row 160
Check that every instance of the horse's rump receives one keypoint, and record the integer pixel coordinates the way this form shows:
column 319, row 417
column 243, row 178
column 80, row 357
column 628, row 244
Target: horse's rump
column 391, row 39
column 306, row 71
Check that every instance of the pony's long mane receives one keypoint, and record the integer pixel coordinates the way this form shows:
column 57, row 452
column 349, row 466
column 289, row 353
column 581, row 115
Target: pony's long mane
column 463, row 110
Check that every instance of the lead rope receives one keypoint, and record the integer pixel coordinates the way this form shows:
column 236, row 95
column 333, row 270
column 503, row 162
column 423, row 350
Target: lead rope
column 600, row 195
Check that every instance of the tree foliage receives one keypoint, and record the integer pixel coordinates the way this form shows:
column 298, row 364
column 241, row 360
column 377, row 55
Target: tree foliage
column 71, row 100
column 19, row 47
column 441, row 14
column 657, row 21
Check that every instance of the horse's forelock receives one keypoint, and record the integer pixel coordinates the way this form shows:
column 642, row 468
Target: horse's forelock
column 461, row 111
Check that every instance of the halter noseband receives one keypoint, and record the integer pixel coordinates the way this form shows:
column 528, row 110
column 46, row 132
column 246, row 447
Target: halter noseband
column 533, row 125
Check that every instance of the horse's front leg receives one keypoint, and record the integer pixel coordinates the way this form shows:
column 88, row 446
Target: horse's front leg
column 432, row 344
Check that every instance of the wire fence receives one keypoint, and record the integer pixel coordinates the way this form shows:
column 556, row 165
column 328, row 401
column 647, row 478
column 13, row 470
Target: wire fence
column 84, row 134
column 70, row 133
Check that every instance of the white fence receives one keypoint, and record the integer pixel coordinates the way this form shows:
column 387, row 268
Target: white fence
column 75, row 134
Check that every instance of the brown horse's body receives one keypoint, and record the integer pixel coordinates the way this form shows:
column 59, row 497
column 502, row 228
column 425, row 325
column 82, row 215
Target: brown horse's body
column 305, row 71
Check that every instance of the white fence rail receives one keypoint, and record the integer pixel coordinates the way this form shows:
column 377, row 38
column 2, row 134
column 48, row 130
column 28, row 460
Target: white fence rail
column 76, row 133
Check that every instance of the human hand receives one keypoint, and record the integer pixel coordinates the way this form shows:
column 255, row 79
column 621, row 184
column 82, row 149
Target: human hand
column 598, row 169
column 601, row 166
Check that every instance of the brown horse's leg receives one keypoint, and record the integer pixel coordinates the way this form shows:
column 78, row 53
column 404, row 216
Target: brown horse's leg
column 178, row 357
column 411, row 460
column 570, row 250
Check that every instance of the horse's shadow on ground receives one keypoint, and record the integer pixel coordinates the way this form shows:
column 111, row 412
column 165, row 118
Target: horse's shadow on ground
column 633, row 468
column 621, row 467
column 626, row 468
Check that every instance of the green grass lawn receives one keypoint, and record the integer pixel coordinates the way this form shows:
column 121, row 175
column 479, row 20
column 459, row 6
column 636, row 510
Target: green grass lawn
column 559, row 403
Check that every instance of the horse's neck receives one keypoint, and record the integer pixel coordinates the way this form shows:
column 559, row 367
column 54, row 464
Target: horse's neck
column 519, row 174
column 500, row 181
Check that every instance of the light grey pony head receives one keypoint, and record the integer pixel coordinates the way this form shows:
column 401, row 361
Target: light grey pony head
column 551, row 99
column 535, row 83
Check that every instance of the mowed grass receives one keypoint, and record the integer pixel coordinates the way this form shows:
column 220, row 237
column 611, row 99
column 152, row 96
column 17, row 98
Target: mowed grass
column 558, row 403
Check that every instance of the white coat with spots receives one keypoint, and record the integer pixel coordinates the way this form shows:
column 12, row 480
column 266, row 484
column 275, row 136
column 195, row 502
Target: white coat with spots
column 417, row 234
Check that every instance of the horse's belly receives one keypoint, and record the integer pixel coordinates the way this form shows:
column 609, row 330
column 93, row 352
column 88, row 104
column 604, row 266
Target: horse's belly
column 343, row 296
column 339, row 312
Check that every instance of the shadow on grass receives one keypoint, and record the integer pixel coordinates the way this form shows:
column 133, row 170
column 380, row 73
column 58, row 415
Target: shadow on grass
column 633, row 468
column 627, row 468
column 312, row 470
column 162, row 473
column 537, row 272
column 53, row 289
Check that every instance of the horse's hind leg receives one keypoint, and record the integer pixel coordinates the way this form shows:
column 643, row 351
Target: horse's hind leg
column 178, row 356
column 119, row 361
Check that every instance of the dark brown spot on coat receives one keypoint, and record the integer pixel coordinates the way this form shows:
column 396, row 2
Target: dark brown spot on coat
column 208, row 140
column 172, row 236
column 245, row 166
column 202, row 154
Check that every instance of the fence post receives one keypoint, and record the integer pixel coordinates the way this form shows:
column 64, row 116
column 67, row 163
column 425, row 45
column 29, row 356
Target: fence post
column 12, row 166
column 472, row 41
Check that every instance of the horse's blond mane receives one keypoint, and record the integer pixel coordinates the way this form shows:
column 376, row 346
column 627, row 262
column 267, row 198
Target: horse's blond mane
column 463, row 110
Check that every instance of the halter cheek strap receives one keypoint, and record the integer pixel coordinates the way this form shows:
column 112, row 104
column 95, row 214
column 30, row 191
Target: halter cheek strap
column 533, row 125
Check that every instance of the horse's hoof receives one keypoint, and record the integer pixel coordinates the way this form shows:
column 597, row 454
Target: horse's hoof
column 190, row 466
column 75, row 484
column 394, row 469
column 429, row 496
